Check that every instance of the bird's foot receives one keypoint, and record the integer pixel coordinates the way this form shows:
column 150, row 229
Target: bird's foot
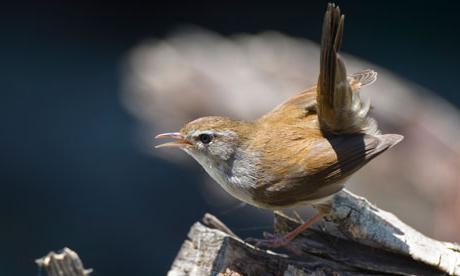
column 275, row 241
column 271, row 241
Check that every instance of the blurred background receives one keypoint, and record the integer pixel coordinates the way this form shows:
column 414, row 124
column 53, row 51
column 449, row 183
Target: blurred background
column 85, row 86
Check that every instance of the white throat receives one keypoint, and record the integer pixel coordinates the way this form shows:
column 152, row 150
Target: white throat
column 237, row 176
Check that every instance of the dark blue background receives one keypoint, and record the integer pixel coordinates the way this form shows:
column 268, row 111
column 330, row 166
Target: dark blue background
column 70, row 171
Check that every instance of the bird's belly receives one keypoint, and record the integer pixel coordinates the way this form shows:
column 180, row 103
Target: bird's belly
column 240, row 182
column 243, row 192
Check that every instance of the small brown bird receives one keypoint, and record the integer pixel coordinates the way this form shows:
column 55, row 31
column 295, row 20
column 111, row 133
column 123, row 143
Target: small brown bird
column 302, row 151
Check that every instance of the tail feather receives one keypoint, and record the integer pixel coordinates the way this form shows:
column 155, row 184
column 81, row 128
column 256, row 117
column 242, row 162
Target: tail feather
column 363, row 78
column 339, row 109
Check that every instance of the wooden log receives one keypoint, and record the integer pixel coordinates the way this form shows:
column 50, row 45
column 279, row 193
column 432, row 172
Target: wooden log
column 356, row 239
column 66, row 262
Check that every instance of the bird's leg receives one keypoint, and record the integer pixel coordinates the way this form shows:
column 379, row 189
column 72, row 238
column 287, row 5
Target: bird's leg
column 274, row 241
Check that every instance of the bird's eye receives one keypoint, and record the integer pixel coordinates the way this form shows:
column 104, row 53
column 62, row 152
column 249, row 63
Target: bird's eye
column 205, row 138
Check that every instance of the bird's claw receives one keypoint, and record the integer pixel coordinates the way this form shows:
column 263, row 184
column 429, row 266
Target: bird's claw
column 271, row 241
column 268, row 242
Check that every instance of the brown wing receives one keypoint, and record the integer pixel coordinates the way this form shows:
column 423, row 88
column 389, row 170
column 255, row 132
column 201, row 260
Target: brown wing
column 315, row 140
column 322, row 169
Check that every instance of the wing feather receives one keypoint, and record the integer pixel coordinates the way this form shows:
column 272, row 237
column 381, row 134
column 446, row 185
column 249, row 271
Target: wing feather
column 325, row 167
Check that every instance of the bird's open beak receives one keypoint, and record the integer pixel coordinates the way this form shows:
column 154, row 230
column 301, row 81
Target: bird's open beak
column 179, row 143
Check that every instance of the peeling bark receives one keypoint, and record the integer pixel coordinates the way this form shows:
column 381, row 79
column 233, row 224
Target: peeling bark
column 64, row 263
column 356, row 239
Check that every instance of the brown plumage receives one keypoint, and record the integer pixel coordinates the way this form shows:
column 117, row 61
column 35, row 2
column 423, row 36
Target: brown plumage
column 304, row 149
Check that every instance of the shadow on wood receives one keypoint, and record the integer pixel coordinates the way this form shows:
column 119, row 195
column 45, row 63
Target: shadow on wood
column 357, row 239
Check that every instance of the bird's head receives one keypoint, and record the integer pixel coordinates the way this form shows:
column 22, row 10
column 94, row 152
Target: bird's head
column 210, row 138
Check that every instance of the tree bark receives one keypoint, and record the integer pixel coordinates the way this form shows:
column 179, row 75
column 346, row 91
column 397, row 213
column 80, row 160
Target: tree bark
column 64, row 263
column 356, row 239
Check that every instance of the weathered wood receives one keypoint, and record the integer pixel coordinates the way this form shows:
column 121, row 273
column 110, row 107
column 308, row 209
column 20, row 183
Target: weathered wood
column 64, row 263
column 357, row 239
column 364, row 223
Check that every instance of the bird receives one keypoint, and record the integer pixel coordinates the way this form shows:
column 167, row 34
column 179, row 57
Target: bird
column 300, row 153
